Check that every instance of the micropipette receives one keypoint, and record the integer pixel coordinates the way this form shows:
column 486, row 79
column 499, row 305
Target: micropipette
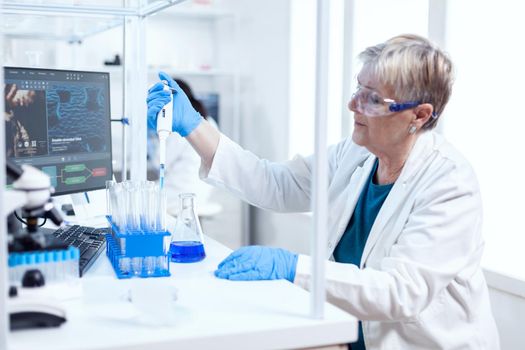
column 164, row 121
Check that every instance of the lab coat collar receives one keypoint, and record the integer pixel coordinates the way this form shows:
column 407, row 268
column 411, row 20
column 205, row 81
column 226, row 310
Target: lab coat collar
column 422, row 149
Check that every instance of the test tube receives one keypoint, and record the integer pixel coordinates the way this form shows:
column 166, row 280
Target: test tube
column 109, row 185
column 115, row 192
column 141, row 204
column 121, row 210
column 161, row 210
column 152, row 206
column 149, row 265
column 136, row 266
column 162, row 263
column 133, row 214
column 124, row 265
column 126, row 187
column 148, row 206
column 137, row 207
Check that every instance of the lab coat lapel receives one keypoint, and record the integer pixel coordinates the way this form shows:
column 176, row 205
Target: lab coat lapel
column 399, row 192
column 355, row 187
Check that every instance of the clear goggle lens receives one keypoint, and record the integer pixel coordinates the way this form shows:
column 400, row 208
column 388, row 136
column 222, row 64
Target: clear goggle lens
column 371, row 104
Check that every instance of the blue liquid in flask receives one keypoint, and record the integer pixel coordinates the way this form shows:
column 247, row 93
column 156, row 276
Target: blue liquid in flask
column 187, row 251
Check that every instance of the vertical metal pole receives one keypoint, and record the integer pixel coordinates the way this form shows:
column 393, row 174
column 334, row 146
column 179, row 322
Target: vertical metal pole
column 320, row 177
column 437, row 32
column 125, row 110
column 348, row 74
column 237, row 131
column 4, row 323
column 136, row 92
column 437, row 21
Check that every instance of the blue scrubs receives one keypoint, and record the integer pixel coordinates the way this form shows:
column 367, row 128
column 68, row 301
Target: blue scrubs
column 350, row 248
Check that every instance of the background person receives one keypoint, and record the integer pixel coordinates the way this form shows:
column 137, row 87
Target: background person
column 182, row 162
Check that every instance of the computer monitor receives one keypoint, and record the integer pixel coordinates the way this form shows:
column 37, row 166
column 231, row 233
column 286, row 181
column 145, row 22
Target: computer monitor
column 59, row 122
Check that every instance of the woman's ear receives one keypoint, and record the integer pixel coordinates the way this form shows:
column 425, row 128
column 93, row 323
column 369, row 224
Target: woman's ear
column 423, row 113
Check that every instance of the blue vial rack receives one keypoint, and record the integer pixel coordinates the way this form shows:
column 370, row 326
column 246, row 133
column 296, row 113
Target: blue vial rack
column 138, row 253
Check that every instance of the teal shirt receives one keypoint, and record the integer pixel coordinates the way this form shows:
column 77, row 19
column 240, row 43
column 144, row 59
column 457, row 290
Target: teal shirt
column 350, row 247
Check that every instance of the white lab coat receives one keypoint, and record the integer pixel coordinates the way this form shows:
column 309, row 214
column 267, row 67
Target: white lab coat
column 420, row 284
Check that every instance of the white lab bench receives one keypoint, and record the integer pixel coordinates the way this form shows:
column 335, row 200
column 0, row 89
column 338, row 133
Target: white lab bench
column 209, row 313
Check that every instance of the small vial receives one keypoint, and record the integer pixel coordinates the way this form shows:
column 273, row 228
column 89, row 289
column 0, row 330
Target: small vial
column 11, row 261
column 23, row 267
column 31, row 262
column 40, row 263
column 57, row 258
column 20, row 265
column 65, row 265
column 49, row 267
column 73, row 268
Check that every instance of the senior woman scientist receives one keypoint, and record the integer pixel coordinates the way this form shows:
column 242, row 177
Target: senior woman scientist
column 405, row 208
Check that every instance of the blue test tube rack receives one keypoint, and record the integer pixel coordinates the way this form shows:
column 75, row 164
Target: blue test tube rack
column 138, row 253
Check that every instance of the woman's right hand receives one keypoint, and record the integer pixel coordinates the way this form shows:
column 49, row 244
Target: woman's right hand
column 185, row 117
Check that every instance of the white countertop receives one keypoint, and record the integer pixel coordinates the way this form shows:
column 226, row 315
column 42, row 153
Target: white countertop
column 208, row 313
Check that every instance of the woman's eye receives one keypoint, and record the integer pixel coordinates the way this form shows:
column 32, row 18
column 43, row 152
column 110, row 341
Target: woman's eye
column 375, row 99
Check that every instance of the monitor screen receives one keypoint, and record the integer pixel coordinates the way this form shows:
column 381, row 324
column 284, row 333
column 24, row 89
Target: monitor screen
column 59, row 122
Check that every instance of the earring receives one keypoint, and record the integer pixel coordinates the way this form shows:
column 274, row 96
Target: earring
column 412, row 129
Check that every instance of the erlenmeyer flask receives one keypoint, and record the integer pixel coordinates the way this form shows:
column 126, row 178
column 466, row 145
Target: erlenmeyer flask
column 187, row 241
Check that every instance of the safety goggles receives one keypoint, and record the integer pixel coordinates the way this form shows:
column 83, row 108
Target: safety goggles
column 371, row 104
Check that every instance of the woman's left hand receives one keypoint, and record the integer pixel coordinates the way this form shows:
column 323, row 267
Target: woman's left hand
column 258, row 263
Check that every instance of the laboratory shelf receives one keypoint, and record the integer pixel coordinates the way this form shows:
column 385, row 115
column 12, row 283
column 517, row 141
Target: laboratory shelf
column 72, row 20
column 153, row 70
column 190, row 10
column 142, row 8
column 68, row 29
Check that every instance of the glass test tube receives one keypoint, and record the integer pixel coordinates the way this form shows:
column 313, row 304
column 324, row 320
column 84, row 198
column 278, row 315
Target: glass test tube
column 152, row 206
column 109, row 185
column 161, row 209
column 115, row 194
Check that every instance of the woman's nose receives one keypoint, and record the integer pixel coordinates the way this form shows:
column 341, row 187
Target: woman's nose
column 352, row 104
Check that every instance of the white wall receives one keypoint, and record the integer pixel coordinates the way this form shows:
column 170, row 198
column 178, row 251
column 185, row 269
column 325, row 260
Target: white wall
column 263, row 63
column 485, row 121
column 485, row 118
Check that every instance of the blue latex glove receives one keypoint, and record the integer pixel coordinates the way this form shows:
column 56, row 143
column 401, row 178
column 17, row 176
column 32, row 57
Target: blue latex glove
column 258, row 263
column 185, row 117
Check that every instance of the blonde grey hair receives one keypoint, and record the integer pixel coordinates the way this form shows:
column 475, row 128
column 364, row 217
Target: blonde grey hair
column 415, row 68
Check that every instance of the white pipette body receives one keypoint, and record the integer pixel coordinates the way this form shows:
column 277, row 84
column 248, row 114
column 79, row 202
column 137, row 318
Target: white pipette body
column 164, row 125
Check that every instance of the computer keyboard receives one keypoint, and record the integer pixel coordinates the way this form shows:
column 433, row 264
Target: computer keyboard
column 90, row 242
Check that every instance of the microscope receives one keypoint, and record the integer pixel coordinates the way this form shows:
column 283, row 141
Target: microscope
column 31, row 195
